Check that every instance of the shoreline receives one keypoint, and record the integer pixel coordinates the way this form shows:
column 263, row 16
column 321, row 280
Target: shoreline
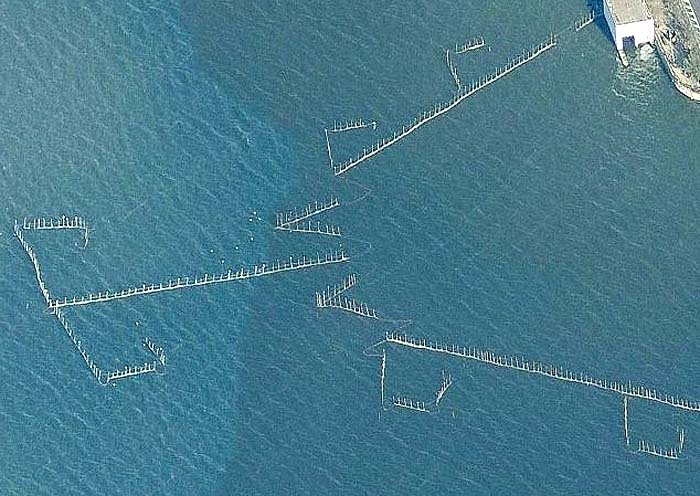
column 662, row 26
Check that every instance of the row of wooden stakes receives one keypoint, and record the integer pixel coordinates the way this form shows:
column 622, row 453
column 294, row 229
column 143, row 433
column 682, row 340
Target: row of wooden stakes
column 547, row 370
column 332, row 297
column 35, row 262
column 442, row 108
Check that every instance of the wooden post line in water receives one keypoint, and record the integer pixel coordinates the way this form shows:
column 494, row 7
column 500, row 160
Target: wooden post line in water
column 444, row 386
column 453, row 70
column 349, row 305
column 156, row 350
column 241, row 274
column 287, row 219
column 51, row 224
column 60, row 316
column 470, row 45
column 586, row 20
column 329, row 293
column 403, row 402
column 409, row 404
column 310, row 228
column 131, row 371
column 339, row 127
column 35, row 262
column 442, row 108
column 668, row 453
column 551, row 371
column 96, row 371
column 63, row 222
column 627, row 435
column 651, row 449
column 332, row 298
column 328, row 145
column 383, row 376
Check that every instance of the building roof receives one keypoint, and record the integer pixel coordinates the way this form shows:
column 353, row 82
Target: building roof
column 626, row 11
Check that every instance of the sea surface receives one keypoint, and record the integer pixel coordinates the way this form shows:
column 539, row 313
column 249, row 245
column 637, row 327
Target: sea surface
column 553, row 215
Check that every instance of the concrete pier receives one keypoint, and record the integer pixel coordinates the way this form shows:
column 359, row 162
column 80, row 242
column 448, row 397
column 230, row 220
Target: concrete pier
column 629, row 19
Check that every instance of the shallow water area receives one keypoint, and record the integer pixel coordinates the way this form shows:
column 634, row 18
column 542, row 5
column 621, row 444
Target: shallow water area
column 552, row 215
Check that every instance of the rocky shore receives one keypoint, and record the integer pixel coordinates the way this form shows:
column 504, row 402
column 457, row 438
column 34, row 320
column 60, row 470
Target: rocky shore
column 678, row 41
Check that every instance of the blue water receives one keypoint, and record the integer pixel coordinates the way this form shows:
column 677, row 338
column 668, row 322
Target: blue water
column 553, row 215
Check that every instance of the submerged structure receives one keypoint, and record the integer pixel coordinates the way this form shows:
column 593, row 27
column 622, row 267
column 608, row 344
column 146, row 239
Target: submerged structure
column 629, row 20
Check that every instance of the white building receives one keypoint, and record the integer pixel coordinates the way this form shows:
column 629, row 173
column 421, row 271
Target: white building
column 629, row 19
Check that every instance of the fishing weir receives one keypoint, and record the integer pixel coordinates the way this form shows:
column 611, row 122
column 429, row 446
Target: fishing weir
column 669, row 453
column 96, row 371
column 409, row 404
column 545, row 370
column 349, row 305
column 382, row 378
column 333, row 292
column 63, row 222
column 156, row 350
column 453, row 70
column 56, row 305
column 242, row 274
column 35, row 262
column 51, row 224
column 443, row 108
column 105, row 379
column 586, row 20
column 418, row 406
column 285, row 220
column 309, row 228
column 341, row 127
column 651, row 449
column 350, row 125
column 328, row 146
column 333, row 298
column 444, row 386
column 470, row 45
column 131, row 371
